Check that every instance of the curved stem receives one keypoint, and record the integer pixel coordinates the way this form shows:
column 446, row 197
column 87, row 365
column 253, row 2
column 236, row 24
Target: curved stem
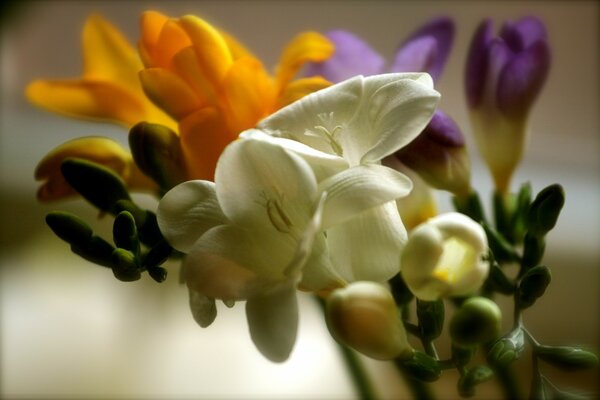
column 360, row 379
column 419, row 390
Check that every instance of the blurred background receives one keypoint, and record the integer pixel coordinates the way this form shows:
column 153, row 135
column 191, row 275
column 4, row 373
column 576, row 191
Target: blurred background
column 70, row 330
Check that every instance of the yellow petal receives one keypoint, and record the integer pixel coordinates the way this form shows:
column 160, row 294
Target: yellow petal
column 204, row 135
column 249, row 93
column 237, row 49
column 306, row 47
column 151, row 24
column 299, row 88
column 213, row 54
column 169, row 92
column 187, row 66
column 100, row 150
column 87, row 99
column 107, row 55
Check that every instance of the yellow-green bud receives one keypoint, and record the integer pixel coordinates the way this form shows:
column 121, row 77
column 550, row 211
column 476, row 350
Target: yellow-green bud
column 477, row 321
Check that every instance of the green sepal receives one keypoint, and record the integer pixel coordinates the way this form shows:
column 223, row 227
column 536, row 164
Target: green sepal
column 507, row 349
column 431, row 318
column 533, row 285
column 567, row 357
column 470, row 206
column 545, row 209
column 519, row 217
column 473, row 377
column 125, row 265
column 157, row 151
column 503, row 206
column 401, row 292
column 96, row 250
column 145, row 221
column 476, row 321
column 96, row 183
column 421, row 366
column 498, row 280
column 502, row 249
column 125, row 234
column 462, row 355
column 159, row 274
column 69, row 228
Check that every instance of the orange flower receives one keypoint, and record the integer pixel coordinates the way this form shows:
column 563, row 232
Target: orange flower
column 214, row 87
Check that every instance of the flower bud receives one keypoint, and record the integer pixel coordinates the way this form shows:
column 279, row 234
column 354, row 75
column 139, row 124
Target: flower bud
column 545, row 209
column 503, row 77
column 444, row 256
column 364, row 316
column 533, row 285
column 439, row 156
column 477, row 321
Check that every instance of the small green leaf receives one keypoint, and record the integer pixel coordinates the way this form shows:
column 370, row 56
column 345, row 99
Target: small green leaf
column 507, row 349
column 96, row 250
column 431, row 318
column 533, row 251
column 462, row 355
column 125, row 266
column 533, row 286
column 97, row 184
column 567, row 357
column 473, row 377
column 545, row 209
column 421, row 367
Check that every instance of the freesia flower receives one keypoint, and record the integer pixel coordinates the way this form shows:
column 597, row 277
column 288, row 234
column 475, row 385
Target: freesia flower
column 255, row 234
column 503, row 77
column 345, row 129
column 364, row 316
column 213, row 86
column 439, row 156
column 100, row 150
column 444, row 256
column 425, row 50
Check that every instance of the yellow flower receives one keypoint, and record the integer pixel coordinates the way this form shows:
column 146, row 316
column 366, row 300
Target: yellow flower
column 100, row 150
column 214, row 87
column 109, row 88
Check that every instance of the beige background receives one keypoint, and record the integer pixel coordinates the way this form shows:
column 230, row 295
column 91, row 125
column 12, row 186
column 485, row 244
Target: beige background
column 71, row 330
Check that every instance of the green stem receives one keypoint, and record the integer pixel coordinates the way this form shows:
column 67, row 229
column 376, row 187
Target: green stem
column 359, row 374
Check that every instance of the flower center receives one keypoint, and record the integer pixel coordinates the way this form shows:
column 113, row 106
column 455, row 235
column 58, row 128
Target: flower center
column 456, row 259
column 329, row 132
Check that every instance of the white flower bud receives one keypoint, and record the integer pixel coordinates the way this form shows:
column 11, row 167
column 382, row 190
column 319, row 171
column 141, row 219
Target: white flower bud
column 444, row 256
column 364, row 316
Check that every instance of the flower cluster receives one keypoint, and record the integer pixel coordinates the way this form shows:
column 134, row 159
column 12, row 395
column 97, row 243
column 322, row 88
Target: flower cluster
column 269, row 185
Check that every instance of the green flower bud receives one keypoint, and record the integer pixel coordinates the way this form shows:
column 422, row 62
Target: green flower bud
column 477, row 321
column 461, row 355
column 473, row 377
column 363, row 315
column 499, row 281
column 158, row 254
column 159, row 274
column 145, row 222
column 401, row 292
column 97, row 184
column 502, row 250
column 96, row 250
column 533, row 285
column 157, row 152
column 566, row 357
column 125, row 266
column 533, row 251
column 507, row 349
column 69, row 228
column 431, row 318
column 420, row 366
column 125, row 233
column 545, row 209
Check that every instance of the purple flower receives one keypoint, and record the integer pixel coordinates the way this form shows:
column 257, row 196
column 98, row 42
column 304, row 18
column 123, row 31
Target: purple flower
column 439, row 156
column 426, row 50
column 503, row 77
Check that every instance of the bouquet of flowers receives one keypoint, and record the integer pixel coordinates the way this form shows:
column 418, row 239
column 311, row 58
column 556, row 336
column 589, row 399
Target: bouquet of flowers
column 320, row 178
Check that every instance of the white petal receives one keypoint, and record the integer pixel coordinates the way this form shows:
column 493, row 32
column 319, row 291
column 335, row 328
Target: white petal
column 232, row 263
column 273, row 322
column 323, row 164
column 261, row 185
column 360, row 188
column 204, row 309
column 397, row 113
column 368, row 246
column 187, row 211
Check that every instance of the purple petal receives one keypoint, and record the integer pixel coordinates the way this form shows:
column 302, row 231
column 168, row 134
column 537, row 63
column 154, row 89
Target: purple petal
column 416, row 56
column 522, row 79
column 352, row 57
column 441, row 30
column 476, row 71
column 523, row 33
column 443, row 131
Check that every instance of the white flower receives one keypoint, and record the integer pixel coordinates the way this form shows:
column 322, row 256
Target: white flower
column 350, row 127
column 444, row 256
column 255, row 234
column 365, row 316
